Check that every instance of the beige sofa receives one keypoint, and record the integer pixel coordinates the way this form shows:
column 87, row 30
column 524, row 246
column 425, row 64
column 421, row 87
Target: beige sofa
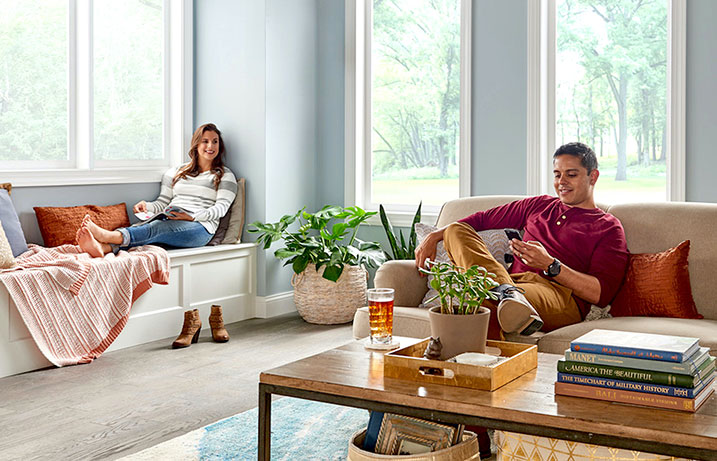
column 649, row 228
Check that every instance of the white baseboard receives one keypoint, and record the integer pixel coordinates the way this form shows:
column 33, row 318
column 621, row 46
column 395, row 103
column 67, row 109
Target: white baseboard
column 276, row 304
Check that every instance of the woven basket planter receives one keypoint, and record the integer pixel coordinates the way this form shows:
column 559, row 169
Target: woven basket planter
column 325, row 302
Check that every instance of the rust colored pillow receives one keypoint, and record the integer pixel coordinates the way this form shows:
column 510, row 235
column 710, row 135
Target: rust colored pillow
column 58, row 225
column 657, row 285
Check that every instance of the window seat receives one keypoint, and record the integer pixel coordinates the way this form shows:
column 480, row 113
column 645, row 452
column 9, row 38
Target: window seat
column 199, row 277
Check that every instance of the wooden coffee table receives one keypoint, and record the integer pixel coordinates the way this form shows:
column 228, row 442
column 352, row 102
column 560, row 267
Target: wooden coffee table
column 352, row 376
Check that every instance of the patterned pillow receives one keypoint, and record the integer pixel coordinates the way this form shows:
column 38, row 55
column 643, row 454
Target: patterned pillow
column 495, row 240
column 58, row 225
column 657, row 285
column 7, row 260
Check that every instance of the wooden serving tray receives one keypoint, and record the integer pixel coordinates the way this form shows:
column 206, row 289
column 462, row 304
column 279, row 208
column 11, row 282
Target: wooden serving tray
column 408, row 363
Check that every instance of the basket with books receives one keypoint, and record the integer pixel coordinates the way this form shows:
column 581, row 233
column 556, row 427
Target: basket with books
column 662, row 371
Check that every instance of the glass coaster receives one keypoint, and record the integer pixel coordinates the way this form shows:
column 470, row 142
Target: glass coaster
column 380, row 347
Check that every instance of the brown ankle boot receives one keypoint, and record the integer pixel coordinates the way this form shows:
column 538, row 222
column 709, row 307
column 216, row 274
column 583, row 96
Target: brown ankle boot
column 190, row 330
column 219, row 333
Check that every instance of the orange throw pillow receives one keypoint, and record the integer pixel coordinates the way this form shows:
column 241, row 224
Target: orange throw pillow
column 58, row 225
column 657, row 285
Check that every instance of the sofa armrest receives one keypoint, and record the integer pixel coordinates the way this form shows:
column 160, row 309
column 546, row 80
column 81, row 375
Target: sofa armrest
column 402, row 276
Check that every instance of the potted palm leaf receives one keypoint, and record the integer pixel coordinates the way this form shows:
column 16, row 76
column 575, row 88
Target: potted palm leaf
column 328, row 260
column 461, row 322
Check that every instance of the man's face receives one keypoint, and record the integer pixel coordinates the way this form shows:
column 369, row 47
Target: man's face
column 572, row 182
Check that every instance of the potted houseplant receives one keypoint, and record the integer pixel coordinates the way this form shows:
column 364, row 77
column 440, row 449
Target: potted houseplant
column 401, row 248
column 460, row 321
column 329, row 262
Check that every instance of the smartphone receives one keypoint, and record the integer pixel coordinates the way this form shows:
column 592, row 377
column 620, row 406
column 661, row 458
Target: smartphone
column 513, row 234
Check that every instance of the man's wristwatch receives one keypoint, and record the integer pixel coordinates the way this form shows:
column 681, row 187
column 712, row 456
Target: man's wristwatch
column 553, row 268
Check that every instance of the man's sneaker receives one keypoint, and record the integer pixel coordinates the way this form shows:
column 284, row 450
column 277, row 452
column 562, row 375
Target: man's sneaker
column 515, row 313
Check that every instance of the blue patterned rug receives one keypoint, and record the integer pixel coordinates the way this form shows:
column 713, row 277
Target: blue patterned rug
column 300, row 429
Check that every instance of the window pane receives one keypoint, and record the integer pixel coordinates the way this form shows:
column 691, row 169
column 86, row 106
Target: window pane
column 611, row 77
column 33, row 80
column 415, row 101
column 128, row 81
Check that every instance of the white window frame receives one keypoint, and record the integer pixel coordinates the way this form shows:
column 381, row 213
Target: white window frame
column 541, row 97
column 82, row 168
column 357, row 136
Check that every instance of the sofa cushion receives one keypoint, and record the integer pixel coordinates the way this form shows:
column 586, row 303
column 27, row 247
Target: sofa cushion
column 58, row 225
column 556, row 342
column 235, row 226
column 407, row 321
column 657, row 285
column 11, row 223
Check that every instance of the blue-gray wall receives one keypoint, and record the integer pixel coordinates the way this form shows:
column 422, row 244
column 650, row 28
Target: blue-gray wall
column 270, row 74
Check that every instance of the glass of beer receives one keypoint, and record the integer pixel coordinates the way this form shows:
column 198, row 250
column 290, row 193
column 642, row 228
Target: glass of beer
column 380, row 315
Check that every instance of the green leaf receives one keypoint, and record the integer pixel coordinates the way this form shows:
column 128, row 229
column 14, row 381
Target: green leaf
column 284, row 253
column 389, row 231
column 300, row 264
column 333, row 272
column 412, row 237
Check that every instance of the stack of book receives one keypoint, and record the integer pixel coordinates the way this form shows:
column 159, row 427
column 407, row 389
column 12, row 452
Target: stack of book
column 637, row 368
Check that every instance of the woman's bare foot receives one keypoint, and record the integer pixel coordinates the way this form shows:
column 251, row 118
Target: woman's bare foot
column 100, row 234
column 88, row 244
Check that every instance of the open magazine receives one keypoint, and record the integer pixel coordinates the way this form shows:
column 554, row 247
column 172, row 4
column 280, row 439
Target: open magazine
column 146, row 216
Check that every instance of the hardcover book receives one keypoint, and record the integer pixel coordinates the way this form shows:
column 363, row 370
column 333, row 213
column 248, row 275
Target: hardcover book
column 635, row 398
column 636, row 345
column 635, row 386
column 688, row 367
column 638, row 375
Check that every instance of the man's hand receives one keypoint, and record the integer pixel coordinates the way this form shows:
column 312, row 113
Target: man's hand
column 427, row 249
column 532, row 254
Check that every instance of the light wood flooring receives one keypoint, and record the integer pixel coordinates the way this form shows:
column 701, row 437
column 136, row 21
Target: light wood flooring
column 135, row 398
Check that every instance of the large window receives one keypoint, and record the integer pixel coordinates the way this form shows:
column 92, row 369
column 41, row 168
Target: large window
column 611, row 69
column 411, row 101
column 93, row 90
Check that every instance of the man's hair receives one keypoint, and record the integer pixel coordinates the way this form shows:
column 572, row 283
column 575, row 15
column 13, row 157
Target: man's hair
column 583, row 152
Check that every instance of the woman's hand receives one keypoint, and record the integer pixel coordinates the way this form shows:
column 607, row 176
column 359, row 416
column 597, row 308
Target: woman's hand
column 140, row 206
column 180, row 216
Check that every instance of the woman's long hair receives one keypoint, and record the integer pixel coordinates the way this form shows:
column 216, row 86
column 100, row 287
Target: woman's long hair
column 192, row 168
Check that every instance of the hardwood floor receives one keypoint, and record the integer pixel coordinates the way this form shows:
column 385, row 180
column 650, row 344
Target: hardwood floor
column 135, row 398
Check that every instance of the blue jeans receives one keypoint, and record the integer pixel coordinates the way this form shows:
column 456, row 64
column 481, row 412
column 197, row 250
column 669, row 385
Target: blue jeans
column 176, row 233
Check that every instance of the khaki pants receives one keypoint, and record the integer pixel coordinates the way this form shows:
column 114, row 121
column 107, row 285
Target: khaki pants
column 553, row 302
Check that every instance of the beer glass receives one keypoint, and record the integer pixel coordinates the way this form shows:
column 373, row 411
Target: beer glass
column 380, row 315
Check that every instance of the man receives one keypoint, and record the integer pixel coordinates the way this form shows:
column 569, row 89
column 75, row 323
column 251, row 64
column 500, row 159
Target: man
column 572, row 255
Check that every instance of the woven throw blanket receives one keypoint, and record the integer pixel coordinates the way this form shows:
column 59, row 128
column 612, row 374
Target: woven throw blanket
column 74, row 305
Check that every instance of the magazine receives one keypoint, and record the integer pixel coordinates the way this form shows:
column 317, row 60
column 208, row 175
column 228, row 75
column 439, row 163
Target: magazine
column 146, row 216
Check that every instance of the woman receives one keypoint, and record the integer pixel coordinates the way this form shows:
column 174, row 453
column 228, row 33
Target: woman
column 204, row 187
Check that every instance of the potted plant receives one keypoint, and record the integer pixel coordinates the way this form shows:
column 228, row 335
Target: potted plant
column 401, row 248
column 329, row 262
column 460, row 321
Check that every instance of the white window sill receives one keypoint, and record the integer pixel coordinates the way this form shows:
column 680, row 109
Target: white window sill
column 82, row 177
column 403, row 219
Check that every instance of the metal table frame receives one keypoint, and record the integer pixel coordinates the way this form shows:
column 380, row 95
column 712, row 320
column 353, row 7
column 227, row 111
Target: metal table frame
column 267, row 390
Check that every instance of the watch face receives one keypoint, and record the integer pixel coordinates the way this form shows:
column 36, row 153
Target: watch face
column 554, row 268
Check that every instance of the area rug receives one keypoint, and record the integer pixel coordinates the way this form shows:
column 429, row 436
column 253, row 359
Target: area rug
column 300, row 429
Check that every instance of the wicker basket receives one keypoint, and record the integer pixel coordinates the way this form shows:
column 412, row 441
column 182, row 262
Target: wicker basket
column 325, row 302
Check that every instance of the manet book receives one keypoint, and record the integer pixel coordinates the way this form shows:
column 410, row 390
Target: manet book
column 637, row 345
column 637, row 374
column 635, row 398
column 688, row 367
column 649, row 388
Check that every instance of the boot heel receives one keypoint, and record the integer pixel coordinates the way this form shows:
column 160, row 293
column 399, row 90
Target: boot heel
column 195, row 338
